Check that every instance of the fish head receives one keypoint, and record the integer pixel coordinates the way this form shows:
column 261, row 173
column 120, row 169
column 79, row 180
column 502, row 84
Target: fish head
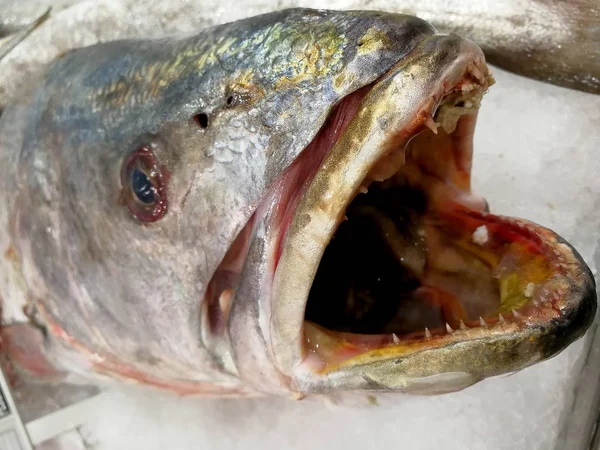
column 181, row 204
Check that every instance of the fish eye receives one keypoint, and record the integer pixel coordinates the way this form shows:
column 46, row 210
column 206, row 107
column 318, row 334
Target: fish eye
column 143, row 186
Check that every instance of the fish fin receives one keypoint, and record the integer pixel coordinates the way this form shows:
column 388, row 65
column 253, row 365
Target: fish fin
column 22, row 355
column 10, row 42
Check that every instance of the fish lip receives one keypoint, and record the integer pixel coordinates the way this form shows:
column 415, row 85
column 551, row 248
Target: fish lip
column 578, row 307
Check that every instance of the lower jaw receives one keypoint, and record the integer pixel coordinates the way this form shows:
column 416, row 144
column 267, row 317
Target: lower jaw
column 444, row 270
column 505, row 279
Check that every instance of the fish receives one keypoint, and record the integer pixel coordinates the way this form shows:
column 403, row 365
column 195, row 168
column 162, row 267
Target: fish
column 279, row 205
column 554, row 42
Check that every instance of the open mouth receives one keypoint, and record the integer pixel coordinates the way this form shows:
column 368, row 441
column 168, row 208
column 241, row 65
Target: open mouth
column 413, row 259
column 382, row 251
column 418, row 257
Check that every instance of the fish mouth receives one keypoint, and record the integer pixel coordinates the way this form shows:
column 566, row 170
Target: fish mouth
column 404, row 272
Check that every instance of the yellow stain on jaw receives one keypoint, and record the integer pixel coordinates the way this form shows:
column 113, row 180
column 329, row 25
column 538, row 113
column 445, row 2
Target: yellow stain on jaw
column 378, row 354
column 513, row 286
column 511, row 293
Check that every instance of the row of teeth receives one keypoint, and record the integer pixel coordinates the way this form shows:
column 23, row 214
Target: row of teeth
column 476, row 73
column 433, row 125
column 561, row 263
column 481, row 236
column 461, row 326
column 545, row 299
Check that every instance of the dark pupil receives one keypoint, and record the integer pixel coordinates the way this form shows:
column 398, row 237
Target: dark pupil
column 142, row 187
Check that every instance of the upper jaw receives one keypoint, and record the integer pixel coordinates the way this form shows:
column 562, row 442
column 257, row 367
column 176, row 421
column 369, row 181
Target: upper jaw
column 397, row 108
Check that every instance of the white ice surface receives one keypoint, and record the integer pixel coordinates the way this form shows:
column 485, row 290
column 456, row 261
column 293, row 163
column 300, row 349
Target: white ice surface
column 536, row 156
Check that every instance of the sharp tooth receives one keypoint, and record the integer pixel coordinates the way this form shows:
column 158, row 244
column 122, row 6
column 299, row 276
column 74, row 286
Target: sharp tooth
column 395, row 338
column 345, row 217
column 363, row 190
column 449, row 328
column 516, row 314
column 467, row 87
column 427, row 333
column 500, row 317
column 528, row 292
column 481, row 235
column 462, row 325
column 477, row 73
column 482, row 322
column 429, row 123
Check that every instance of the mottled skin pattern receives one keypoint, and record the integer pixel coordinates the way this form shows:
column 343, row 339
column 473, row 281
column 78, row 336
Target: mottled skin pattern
column 129, row 291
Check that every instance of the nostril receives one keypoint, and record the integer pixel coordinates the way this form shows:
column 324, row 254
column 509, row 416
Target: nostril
column 202, row 120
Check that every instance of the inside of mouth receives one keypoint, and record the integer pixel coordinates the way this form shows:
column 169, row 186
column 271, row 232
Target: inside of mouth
column 418, row 257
